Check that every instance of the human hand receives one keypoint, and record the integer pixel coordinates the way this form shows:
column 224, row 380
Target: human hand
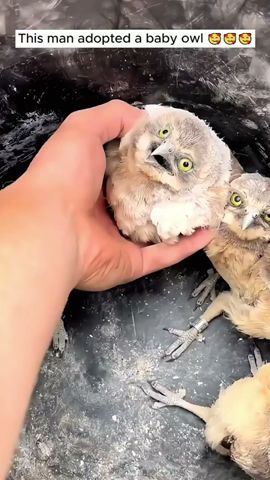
column 55, row 235
column 72, row 163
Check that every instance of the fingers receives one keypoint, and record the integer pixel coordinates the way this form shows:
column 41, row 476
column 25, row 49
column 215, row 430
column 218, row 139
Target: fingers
column 75, row 150
column 108, row 121
column 161, row 255
column 83, row 133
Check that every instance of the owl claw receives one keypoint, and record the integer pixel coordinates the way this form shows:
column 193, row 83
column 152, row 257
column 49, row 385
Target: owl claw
column 206, row 288
column 255, row 360
column 60, row 339
column 185, row 339
column 162, row 396
column 179, row 346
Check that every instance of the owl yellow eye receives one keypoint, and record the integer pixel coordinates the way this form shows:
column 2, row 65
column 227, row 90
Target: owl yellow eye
column 185, row 165
column 266, row 217
column 236, row 200
column 165, row 132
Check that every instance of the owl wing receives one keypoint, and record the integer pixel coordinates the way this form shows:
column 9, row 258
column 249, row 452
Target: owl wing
column 112, row 156
column 265, row 269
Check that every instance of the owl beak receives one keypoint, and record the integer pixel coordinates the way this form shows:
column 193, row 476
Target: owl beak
column 249, row 219
column 164, row 149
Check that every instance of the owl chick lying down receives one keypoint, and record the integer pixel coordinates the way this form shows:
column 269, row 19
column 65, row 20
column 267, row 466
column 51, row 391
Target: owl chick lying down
column 167, row 176
column 238, row 423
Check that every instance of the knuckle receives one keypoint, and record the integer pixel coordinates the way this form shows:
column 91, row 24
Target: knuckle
column 73, row 117
column 116, row 103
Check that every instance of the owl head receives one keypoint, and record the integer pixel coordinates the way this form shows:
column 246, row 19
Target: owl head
column 176, row 149
column 247, row 212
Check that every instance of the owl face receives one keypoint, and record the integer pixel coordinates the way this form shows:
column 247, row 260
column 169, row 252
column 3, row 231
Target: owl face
column 248, row 210
column 177, row 149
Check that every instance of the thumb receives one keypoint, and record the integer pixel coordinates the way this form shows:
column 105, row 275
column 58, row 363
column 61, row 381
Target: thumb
column 159, row 256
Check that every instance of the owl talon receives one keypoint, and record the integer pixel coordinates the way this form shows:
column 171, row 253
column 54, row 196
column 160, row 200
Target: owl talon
column 60, row 339
column 184, row 340
column 206, row 288
column 179, row 346
column 163, row 396
column 158, row 405
column 255, row 361
column 201, row 338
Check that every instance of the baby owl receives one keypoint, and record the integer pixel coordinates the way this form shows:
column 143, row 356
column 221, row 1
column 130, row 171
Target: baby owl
column 237, row 424
column 168, row 176
column 240, row 252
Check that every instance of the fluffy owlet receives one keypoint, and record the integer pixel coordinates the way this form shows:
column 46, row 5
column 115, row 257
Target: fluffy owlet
column 237, row 424
column 240, row 252
column 168, row 176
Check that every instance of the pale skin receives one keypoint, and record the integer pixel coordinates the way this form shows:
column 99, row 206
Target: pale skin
column 56, row 235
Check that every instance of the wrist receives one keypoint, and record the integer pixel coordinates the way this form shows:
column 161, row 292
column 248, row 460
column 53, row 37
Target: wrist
column 39, row 267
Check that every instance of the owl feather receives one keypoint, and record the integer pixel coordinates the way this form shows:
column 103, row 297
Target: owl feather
column 168, row 176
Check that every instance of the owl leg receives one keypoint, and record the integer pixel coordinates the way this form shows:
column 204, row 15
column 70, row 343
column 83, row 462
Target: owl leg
column 60, row 339
column 218, row 306
column 187, row 337
column 206, row 288
column 255, row 361
column 184, row 340
column 166, row 398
